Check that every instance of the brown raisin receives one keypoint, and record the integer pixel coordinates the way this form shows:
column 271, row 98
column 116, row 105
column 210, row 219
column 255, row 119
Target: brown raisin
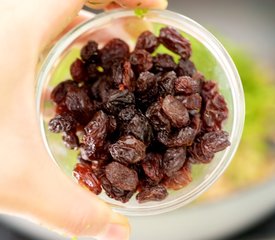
column 62, row 123
column 156, row 193
column 173, row 160
column 163, row 62
column 175, row 42
column 176, row 111
column 152, row 166
column 186, row 68
column 59, row 93
column 121, row 176
column 141, row 60
column 90, row 52
column 187, row 85
column 79, row 71
column 147, row 41
column 166, row 83
column 127, row 150
column 70, row 140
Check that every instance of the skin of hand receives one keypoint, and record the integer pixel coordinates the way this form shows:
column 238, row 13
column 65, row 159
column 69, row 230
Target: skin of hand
column 31, row 184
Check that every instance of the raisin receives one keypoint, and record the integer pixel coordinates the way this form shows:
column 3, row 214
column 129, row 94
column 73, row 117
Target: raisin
column 116, row 193
column 59, row 93
column 156, row 193
column 100, row 89
column 112, row 124
column 147, row 41
column 166, row 83
column 164, row 62
column 79, row 71
column 126, row 114
column 70, row 140
column 122, row 74
column 193, row 103
column 145, row 82
column 141, row 61
column 157, row 118
column 187, row 85
column 203, row 150
column 140, row 128
column 92, row 71
column 173, row 160
column 62, row 123
column 78, row 102
column 114, row 50
column 90, row 52
column 175, row 42
column 179, row 179
column 152, row 166
column 96, row 130
column 85, row 176
column 186, row 68
column 127, row 150
column 175, row 111
column 118, row 100
column 183, row 137
column 121, row 176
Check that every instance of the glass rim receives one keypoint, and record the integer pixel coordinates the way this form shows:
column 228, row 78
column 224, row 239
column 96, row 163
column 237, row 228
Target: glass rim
column 211, row 43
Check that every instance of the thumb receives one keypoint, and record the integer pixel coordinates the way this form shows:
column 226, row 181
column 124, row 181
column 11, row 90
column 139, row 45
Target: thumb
column 65, row 207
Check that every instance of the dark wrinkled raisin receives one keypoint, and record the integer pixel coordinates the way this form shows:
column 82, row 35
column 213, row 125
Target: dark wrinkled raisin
column 58, row 94
column 122, row 75
column 157, row 118
column 114, row 50
column 112, row 124
column 78, row 102
column 147, row 41
column 85, row 177
column 140, row 128
column 193, row 103
column 91, row 153
column 166, row 83
column 121, row 176
column 152, row 166
column 128, row 149
column 173, row 160
column 186, row 68
column 164, row 62
column 209, row 90
column 141, row 60
column 156, row 193
column 203, row 150
column 62, row 123
column 180, row 178
column 176, row 111
column 175, row 42
column 90, row 52
column 118, row 100
column 96, row 130
column 183, row 137
column 100, row 89
column 79, row 71
column 70, row 140
column 126, row 114
column 145, row 82
column 116, row 193
column 92, row 71
column 187, row 85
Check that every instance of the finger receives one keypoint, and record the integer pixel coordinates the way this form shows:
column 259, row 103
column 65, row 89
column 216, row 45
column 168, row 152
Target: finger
column 97, row 4
column 65, row 207
column 158, row 4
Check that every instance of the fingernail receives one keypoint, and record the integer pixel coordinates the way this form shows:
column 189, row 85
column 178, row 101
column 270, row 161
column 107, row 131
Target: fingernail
column 115, row 232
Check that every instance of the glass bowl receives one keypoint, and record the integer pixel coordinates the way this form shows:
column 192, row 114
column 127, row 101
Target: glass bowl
column 209, row 57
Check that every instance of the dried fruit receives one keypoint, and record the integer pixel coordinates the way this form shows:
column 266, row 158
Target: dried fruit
column 147, row 41
column 62, row 123
column 128, row 150
column 176, row 111
column 175, row 42
column 141, row 60
column 121, row 176
column 90, row 52
column 153, row 167
column 164, row 62
column 187, row 85
column 156, row 193
column 186, row 68
column 173, row 160
column 85, row 177
column 78, row 71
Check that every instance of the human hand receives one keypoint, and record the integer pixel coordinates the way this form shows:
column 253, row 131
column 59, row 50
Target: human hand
column 31, row 185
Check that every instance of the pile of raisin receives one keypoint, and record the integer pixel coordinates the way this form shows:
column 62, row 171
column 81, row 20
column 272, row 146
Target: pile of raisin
column 138, row 119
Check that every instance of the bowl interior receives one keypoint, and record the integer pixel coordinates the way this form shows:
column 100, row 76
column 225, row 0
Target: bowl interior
column 209, row 57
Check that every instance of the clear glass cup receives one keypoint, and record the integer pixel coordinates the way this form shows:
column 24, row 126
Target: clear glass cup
column 209, row 57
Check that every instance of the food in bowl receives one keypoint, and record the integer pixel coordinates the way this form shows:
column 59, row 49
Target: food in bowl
column 139, row 119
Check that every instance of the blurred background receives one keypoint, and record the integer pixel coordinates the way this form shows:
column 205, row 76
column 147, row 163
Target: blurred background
column 244, row 198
